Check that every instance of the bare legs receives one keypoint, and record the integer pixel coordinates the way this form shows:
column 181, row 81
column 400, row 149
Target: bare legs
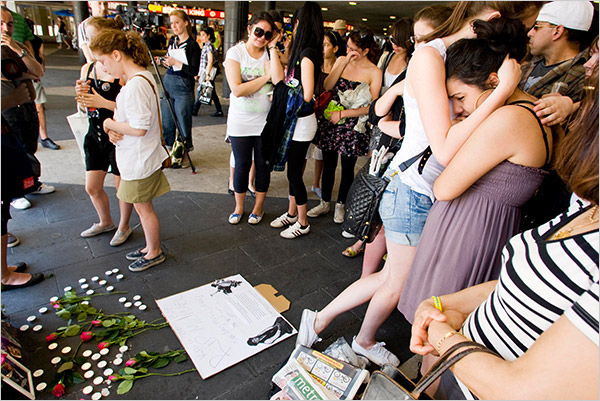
column 41, row 112
column 125, row 209
column 151, row 228
column 8, row 275
column 94, row 186
column 382, row 288
column 373, row 254
column 387, row 296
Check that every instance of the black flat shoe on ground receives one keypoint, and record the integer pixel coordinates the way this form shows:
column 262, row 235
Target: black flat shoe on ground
column 21, row 266
column 49, row 143
column 35, row 278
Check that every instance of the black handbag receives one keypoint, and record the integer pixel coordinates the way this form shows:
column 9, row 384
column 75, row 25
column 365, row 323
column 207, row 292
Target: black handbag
column 390, row 383
column 362, row 203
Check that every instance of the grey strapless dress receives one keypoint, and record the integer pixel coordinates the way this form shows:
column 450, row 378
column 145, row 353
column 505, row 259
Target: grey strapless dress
column 462, row 240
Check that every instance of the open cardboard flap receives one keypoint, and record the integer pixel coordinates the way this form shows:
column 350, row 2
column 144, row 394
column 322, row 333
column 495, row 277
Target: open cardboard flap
column 279, row 302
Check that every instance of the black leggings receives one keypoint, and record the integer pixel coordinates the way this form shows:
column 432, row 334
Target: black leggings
column 242, row 152
column 330, row 160
column 295, row 167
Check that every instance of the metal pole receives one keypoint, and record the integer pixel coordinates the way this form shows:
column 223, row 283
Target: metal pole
column 80, row 12
column 236, row 21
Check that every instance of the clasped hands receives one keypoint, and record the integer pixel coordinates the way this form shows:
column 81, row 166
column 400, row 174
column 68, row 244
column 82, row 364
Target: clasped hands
column 430, row 325
column 113, row 135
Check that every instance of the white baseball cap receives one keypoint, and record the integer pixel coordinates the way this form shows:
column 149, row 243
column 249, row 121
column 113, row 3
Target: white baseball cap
column 570, row 14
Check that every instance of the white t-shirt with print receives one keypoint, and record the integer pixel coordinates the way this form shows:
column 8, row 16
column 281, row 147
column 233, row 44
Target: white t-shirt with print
column 139, row 157
column 248, row 114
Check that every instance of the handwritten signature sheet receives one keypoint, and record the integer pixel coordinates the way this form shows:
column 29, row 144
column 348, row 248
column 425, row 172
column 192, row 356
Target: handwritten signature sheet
column 222, row 323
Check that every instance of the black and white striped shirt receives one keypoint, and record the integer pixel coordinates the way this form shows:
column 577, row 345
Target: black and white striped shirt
column 541, row 280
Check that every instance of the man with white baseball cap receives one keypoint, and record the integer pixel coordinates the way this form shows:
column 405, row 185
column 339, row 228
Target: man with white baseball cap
column 556, row 75
column 555, row 42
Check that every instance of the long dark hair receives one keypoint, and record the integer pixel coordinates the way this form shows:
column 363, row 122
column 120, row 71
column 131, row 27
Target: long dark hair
column 363, row 37
column 336, row 40
column 309, row 35
column 402, row 30
column 577, row 154
column 472, row 60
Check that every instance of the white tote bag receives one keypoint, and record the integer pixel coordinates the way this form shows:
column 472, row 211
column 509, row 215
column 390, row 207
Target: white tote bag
column 79, row 124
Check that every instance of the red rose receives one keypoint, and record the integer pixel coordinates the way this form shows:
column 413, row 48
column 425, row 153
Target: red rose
column 59, row 390
column 96, row 323
column 130, row 362
column 86, row 336
column 51, row 337
column 103, row 345
column 113, row 378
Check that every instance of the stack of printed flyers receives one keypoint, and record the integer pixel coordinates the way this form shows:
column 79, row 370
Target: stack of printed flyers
column 311, row 375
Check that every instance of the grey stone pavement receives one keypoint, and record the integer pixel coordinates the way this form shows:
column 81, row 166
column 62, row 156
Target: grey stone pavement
column 200, row 246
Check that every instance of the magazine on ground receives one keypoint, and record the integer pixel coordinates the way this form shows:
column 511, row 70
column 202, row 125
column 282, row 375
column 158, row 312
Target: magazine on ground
column 340, row 379
column 297, row 384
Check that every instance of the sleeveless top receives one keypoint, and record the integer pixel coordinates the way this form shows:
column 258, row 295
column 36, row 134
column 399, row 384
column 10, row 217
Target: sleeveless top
column 415, row 141
column 109, row 91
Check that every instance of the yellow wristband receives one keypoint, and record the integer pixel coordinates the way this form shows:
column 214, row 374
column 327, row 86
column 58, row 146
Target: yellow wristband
column 437, row 303
column 444, row 338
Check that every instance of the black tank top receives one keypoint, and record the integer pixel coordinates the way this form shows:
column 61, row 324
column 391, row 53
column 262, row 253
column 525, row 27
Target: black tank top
column 108, row 90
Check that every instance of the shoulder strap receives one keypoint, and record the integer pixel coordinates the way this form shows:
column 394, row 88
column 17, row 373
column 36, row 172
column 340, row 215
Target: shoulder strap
column 387, row 61
column 446, row 361
column 90, row 69
column 544, row 135
column 162, row 138
column 426, row 154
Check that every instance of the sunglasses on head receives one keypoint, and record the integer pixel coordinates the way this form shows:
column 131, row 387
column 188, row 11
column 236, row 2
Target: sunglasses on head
column 259, row 32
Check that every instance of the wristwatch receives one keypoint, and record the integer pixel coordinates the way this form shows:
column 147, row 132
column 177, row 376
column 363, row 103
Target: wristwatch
column 23, row 53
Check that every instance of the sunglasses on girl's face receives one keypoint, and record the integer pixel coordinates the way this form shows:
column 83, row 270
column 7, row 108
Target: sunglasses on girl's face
column 259, row 32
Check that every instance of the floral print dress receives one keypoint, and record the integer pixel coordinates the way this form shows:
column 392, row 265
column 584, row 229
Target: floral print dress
column 341, row 137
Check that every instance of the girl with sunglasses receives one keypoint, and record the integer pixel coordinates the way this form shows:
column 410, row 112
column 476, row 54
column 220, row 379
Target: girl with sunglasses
column 248, row 73
column 304, row 67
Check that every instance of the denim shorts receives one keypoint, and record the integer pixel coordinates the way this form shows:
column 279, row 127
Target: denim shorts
column 403, row 212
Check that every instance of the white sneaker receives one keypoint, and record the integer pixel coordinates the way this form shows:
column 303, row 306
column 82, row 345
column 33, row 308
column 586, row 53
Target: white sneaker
column 295, row 231
column 283, row 220
column 338, row 215
column 307, row 335
column 377, row 354
column 96, row 229
column 321, row 209
column 43, row 190
column 120, row 237
column 21, row 203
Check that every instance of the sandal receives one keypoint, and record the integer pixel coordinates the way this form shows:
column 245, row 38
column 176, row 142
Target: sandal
column 351, row 253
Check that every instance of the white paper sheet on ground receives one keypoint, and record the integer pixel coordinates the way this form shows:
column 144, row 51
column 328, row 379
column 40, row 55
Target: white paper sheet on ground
column 224, row 322
column 179, row 55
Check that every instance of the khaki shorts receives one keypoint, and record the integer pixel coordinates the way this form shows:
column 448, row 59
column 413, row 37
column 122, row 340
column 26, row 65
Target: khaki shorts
column 144, row 190
column 40, row 93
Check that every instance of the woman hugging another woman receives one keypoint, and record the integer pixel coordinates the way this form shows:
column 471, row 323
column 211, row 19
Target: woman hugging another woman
column 136, row 132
